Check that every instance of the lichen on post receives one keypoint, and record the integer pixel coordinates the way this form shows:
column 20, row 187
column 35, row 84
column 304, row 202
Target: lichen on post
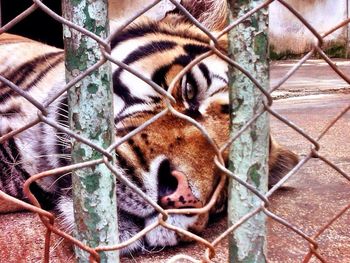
column 91, row 116
column 248, row 46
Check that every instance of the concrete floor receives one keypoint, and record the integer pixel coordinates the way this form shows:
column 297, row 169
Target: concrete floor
column 314, row 77
column 312, row 197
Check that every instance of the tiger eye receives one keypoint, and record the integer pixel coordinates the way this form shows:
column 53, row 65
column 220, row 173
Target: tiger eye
column 190, row 91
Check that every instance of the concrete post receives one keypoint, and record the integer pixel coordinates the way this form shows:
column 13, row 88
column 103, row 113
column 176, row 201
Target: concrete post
column 249, row 153
column 91, row 116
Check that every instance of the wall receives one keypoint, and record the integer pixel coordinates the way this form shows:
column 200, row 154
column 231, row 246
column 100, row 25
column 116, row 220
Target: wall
column 289, row 36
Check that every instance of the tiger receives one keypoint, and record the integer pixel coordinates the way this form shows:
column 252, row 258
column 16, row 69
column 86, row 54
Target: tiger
column 170, row 160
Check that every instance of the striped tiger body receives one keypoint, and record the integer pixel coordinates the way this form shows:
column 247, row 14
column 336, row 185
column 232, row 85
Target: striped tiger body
column 31, row 66
column 170, row 160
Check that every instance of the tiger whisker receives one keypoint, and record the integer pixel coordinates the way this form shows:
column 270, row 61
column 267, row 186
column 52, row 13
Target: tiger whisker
column 58, row 178
column 56, row 245
column 63, row 156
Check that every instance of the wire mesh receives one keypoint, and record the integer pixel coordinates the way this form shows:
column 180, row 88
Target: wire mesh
column 48, row 218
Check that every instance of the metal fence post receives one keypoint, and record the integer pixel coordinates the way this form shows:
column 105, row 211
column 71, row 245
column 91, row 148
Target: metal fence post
column 248, row 46
column 91, row 116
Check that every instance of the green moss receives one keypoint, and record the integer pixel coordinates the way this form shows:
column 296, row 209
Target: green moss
column 76, row 122
column 89, row 23
column 261, row 45
column 242, row 2
column 96, row 155
column 253, row 135
column 288, row 54
column 99, row 30
column 92, row 88
column 91, row 182
column 92, row 221
column 233, row 251
column 333, row 50
column 254, row 174
column 105, row 81
column 336, row 50
column 76, row 2
column 79, row 154
column 77, row 59
column 254, row 22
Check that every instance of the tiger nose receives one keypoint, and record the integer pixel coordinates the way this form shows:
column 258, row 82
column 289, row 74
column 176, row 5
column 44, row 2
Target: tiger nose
column 182, row 196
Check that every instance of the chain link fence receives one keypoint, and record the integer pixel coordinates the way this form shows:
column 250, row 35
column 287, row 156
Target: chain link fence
column 209, row 252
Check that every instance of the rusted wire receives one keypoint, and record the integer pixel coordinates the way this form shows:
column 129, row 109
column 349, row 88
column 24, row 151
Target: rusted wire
column 25, row 95
column 19, row 18
column 324, row 228
column 48, row 219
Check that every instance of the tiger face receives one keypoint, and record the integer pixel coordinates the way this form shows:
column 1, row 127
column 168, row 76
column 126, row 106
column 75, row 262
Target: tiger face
column 170, row 160
column 173, row 157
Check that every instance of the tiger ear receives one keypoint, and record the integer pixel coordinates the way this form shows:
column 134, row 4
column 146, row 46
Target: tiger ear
column 122, row 10
column 211, row 13
column 281, row 161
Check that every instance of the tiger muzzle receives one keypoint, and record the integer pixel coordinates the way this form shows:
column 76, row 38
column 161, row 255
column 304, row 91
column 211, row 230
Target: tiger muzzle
column 182, row 195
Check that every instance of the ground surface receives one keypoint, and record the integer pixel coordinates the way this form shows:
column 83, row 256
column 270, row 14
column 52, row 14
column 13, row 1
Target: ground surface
column 312, row 197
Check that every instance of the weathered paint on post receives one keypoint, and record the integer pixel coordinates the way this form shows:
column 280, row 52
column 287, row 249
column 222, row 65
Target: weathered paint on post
column 249, row 153
column 91, row 116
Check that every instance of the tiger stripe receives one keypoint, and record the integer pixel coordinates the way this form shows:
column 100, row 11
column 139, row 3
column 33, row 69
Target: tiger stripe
column 20, row 77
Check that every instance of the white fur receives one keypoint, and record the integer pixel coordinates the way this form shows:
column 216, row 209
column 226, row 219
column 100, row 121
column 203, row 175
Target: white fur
column 65, row 206
column 150, row 179
column 161, row 236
